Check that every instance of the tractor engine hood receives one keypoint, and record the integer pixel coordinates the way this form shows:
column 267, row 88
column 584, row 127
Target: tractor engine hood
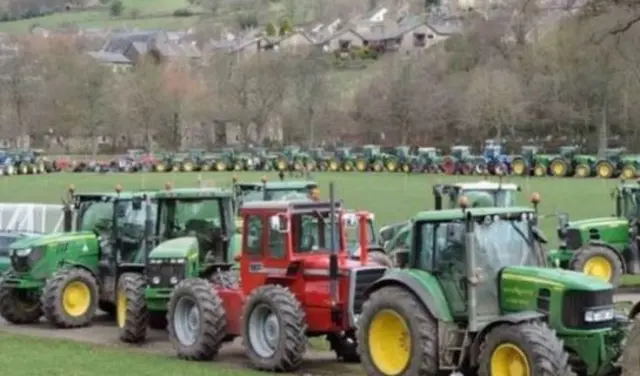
column 534, row 278
column 610, row 222
column 178, row 248
column 57, row 238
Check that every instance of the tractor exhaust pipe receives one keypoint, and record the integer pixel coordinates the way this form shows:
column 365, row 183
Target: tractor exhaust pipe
column 363, row 238
column 148, row 231
column 67, row 211
column 333, row 257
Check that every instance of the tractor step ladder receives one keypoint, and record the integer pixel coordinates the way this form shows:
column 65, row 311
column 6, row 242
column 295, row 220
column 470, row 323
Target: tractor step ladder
column 460, row 338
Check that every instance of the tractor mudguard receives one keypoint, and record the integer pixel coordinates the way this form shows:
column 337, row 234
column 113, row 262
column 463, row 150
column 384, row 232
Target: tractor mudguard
column 509, row 319
column 69, row 265
column 423, row 285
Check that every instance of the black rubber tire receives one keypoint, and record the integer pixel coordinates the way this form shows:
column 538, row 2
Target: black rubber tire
column 293, row 328
column 541, row 346
column 379, row 258
column 630, row 355
column 213, row 318
column 422, row 326
column 229, row 279
column 13, row 312
column 51, row 298
column 345, row 347
column 158, row 320
column 581, row 256
column 137, row 316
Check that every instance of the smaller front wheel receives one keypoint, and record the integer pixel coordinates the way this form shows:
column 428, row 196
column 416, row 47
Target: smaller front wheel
column 197, row 320
column 600, row 262
column 274, row 329
column 70, row 298
column 583, row 171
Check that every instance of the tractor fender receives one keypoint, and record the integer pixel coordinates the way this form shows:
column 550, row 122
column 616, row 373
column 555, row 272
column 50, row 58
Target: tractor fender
column 600, row 243
column 509, row 319
column 71, row 265
column 417, row 282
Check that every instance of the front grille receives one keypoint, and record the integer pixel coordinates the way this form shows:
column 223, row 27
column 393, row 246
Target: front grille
column 25, row 263
column 164, row 272
column 361, row 280
column 573, row 238
column 575, row 303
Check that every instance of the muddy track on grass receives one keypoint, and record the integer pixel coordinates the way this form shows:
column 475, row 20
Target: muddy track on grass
column 103, row 332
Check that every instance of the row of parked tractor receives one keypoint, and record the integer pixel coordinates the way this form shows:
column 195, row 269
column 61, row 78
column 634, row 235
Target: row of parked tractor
column 467, row 287
column 460, row 160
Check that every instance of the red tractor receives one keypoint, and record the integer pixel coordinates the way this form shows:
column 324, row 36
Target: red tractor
column 297, row 281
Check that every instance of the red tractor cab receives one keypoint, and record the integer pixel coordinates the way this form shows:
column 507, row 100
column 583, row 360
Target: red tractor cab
column 297, row 281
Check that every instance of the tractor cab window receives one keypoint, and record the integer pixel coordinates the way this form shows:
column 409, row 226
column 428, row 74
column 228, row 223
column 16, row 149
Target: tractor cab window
column 95, row 216
column 253, row 235
column 130, row 222
column 193, row 217
column 502, row 198
column 352, row 232
column 312, row 232
column 630, row 207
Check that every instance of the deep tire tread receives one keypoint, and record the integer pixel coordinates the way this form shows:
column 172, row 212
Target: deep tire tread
column 293, row 344
column 544, row 349
column 51, row 298
column 137, row 316
column 422, row 325
column 212, row 315
column 10, row 311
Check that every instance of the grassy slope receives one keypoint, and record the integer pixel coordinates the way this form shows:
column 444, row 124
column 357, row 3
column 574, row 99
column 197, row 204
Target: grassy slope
column 65, row 358
column 161, row 10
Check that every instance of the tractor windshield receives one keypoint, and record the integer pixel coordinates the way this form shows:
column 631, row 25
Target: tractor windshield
column 502, row 198
column 504, row 243
column 312, row 232
column 182, row 216
column 272, row 195
column 630, row 207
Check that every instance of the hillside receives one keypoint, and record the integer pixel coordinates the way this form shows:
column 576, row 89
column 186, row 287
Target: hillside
column 146, row 14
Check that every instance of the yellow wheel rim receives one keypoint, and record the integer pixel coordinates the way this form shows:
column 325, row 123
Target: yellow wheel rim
column 628, row 173
column 377, row 167
column 121, row 308
column 297, row 166
column 220, row 166
column 598, row 266
column 361, row 165
column 604, row 171
column 25, row 170
column 391, row 166
column 581, row 171
column 237, row 167
column 405, row 168
column 558, row 169
column 160, row 167
column 333, row 166
column 188, row 167
column 539, row 171
column 281, row 165
column 175, row 168
column 347, row 167
column 76, row 299
column 389, row 342
column 509, row 360
column 518, row 168
column 205, row 167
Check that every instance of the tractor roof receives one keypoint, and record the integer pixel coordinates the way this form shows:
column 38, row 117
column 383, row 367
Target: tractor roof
column 485, row 185
column 280, row 185
column 295, row 205
column 630, row 186
column 458, row 214
column 111, row 195
column 194, row 193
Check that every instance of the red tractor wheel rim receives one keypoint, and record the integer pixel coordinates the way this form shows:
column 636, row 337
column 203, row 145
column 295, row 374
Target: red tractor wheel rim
column 448, row 167
column 467, row 169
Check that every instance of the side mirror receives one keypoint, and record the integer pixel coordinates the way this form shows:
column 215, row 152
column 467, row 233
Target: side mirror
column 136, row 203
column 279, row 223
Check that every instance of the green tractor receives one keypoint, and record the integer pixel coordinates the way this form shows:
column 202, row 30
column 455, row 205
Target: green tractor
column 524, row 163
column 371, row 159
column 569, row 162
column 67, row 276
column 292, row 158
column 474, row 296
column 613, row 165
column 270, row 191
column 430, row 159
column 194, row 234
column 630, row 166
column 321, row 159
column 408, row 161
column 345, row 160
column 480, row 194
column 605, row 247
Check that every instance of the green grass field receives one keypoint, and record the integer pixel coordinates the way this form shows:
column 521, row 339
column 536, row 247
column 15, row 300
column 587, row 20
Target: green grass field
column 150, row 14
column 66, row 358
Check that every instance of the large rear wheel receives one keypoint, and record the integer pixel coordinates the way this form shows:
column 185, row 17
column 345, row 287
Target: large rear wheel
column 70, row 298
column 397, row 335
column 559, row 168
column 526, row 349
column 196, row 320
column 630, row 359
column 598, row 261
column 274, row 329
column 605, row 170
column 519, row 167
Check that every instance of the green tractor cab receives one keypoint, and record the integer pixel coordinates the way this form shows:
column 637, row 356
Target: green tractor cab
column 68, row 276
column 612, row 164
column 370, row 159
column 194, row 235
column 605, row 247
column 474, row 295
column 524, row 163
column 345, row 160
column 563, row 164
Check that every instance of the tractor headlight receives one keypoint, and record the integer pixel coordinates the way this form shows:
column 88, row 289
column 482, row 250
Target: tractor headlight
column 173, row 280
column 22, row 252
column 599, row 314
column 155, row 280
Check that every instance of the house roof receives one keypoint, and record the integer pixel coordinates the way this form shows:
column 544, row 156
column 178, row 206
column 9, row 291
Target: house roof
column 109, row 57
column 119, row 42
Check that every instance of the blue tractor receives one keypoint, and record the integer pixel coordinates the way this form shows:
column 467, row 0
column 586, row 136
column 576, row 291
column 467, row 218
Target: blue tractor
column 7, row 163
column 497, row 162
